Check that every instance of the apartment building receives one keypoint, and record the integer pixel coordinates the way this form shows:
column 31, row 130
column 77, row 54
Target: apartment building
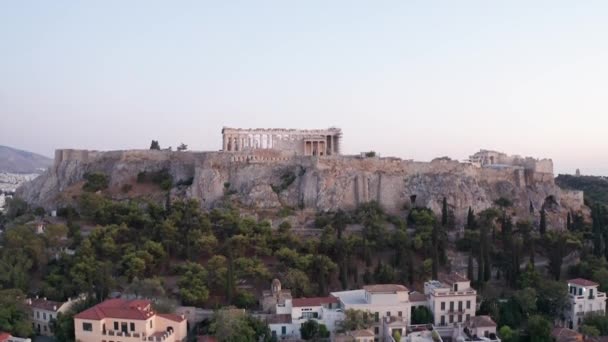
column 451, row 299
column 123, row 320
column 585, row 299
column 389, row 303
column 43, row 312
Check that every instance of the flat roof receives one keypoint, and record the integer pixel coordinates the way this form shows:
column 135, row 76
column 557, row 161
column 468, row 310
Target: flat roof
column 351, row 297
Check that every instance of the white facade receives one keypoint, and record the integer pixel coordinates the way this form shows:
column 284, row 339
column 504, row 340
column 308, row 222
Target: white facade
column 325, row 310
column 388, row 303
column 585, row 300
column 451, row 300
column 44, row 312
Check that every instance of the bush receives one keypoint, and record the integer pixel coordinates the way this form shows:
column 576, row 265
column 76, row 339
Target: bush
column 161, row 178
column 286, row 180
column 285, row 211
column 95, row 181
column 370, row 154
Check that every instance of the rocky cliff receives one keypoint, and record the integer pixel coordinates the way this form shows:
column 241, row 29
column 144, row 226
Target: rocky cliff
column 270, row 179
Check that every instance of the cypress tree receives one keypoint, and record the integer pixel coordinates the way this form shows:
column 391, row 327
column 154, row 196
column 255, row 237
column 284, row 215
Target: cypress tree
column 470, row 274
column 471, row 219
column 569, row 222
column 444, row 212
column 543, row 222
column 531, row 208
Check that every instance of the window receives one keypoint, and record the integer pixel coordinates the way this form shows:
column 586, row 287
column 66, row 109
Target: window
column 283, row 330
column 468, row 304
column 116, row 326
column 132, row 326
column 44, row 316
column 87, row 326
column 459, row 318
column 400, row 314
column 376, row 330
column 451, row 306
column 451, row 318
column 459, row 305
column 376, row 316
column 442, row 320
column 150, row 323
column 456, row 287
column 388, row 314
column 38, row 314
column 442, row 305
column 44, row 328
column 124, row 327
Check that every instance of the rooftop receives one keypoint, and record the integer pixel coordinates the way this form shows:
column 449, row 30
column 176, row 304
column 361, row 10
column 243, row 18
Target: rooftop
column 480, row 322
column 385, row 288
column 417, row 297
column 582, row 282
column 137, row 309
column 316, row 301
column 351, row 297
column 453, row 277
column 44, row 304
column 279, row 319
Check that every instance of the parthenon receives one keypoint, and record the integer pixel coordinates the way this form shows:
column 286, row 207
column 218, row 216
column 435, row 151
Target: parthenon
column 313, row 142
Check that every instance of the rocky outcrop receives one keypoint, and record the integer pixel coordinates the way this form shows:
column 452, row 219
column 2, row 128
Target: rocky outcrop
column 271, row 179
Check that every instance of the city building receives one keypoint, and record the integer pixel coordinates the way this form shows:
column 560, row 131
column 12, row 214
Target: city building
column 451, row 299
column 128, row 320
column 389, row 303
column 363, row 335
column 43, row 312
column 585, row 299
column 422, row 333
column 272, row 301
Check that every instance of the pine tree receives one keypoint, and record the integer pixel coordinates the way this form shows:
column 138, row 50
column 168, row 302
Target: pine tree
column 543, row 222
column 444, row 212
column 154, row 145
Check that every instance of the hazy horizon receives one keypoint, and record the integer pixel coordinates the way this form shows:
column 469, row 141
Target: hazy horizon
column 404, row 79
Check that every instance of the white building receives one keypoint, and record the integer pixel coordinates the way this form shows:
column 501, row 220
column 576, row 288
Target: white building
column 585, row 299
column 44, row 312
column 452, row 300
column 389, row 303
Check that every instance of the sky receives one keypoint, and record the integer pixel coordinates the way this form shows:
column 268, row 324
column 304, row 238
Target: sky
column 412, row 79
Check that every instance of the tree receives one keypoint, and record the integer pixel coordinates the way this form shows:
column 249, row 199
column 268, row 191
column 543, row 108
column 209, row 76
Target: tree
column 192, row 284
column 14, row 317
column 506, row 334
column 182, row 147
column 234, row 325
column 552, row 298
column 311, row 330
column 397, row 335
column 526, row 299
column 569, row 222
column 589, row 330
column 356, row 320
column 470, row 271
column 470, row 219
column 539, row 329
column 444, row 212
column 422, row 315
column 558, row 244
column 543, row 222
column 154, row 145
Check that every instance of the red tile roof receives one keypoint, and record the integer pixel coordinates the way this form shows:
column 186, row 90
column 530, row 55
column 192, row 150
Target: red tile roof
column 119, row 308
column 172, row 317
column 384, row 288
column 480, row 322
column 4, row 336
column 315, row 301
column 279, row 319
column 44, row 304
column 582, row 282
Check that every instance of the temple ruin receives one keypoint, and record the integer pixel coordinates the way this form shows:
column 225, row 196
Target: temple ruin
column 313, row 142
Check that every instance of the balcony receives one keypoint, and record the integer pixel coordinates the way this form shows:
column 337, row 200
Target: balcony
column 123, row 334
column 159, row 336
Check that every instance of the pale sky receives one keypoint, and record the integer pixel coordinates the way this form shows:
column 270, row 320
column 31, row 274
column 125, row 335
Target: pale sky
column 413, row 79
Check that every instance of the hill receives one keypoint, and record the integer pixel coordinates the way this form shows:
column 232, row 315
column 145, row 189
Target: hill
column 595, row 187
column 18, row 161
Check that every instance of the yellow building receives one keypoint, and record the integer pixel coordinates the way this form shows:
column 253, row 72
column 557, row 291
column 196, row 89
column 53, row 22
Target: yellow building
column 120, row 320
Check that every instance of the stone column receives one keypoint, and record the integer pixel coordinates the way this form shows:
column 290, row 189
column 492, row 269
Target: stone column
column 224, row 142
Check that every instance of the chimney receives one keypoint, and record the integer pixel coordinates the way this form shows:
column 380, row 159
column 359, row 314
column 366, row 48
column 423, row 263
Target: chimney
column 54, row 307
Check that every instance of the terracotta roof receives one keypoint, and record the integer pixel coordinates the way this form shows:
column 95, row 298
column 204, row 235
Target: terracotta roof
column 480, row 322
column 384, row 288
column 417, row 297
column 172, row 317
column 362, row 333
column 44, row 304
column 119, row 308
column 279, row 319
column 315, row 301
column 564, row 334
column 453, row 277
column 4, row 336
column 582, row 282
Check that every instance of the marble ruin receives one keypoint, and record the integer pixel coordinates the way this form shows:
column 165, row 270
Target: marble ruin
column 313, row 142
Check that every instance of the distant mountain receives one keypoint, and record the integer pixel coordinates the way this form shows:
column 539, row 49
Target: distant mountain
column 17, row 161
column 595, row 187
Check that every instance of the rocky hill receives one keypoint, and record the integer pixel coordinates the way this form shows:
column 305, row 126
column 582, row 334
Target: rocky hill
column 272, row 180
column 17, row 161
column 595, row 187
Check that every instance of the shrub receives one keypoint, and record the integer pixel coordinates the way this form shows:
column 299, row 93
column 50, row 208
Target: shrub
column 285, row 211
column 370, row 154
column 286, row 180
column 161, row 178
column 95, row 181
column 126, row 188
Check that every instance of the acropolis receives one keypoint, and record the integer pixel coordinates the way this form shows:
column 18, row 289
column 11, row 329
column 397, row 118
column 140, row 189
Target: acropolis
column 307, row 142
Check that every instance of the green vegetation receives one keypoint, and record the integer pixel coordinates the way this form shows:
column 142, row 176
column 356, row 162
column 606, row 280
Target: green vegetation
column 95, row 181
column 162, row 178
column 287, row 179
column 312, row 330
column 594, row 187
column 154, row 145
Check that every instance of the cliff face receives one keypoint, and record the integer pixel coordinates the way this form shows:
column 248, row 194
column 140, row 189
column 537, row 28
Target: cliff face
column 268, row 179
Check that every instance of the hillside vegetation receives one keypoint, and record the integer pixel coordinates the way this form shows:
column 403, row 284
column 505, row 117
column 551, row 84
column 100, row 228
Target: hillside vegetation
column 595, row 187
